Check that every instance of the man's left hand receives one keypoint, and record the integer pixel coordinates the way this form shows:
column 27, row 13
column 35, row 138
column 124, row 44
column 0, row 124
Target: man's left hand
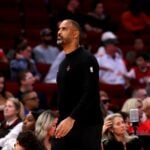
column 64, row 127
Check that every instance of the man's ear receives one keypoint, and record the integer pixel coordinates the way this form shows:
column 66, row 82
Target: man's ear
column 76, row 34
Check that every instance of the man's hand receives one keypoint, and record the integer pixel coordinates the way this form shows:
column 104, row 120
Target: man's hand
column 64, row 127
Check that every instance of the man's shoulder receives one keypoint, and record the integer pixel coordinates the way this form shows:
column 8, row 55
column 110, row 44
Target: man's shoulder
column 87, row 54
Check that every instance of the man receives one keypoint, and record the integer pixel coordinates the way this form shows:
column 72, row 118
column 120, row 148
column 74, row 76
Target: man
column 26, row 84
column 112, row 66
column 80, row 121
column 45, row 52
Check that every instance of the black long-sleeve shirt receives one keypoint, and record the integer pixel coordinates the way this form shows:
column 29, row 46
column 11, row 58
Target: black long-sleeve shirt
column 78, row 88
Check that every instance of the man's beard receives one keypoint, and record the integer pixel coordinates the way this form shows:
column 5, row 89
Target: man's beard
column 59, row 41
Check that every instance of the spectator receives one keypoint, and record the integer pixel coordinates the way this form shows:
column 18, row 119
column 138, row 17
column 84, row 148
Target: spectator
column 71, row 11
column 22, row 62
column 97, row 20
column 26, row 140
column 140, row 73
column 135, row 20
column 115, row 135
column 145, row 126
column 26, row 81
column 105, row 100
column 111, row 63
column 45, row 128
column 45, row 53
column 31, row 101
column 30, row 120
column 18, row 41
column 108, row 37
column 12, row 124
column 133, row 103
column 4, row 95
column 138, row 46
column 140, row 93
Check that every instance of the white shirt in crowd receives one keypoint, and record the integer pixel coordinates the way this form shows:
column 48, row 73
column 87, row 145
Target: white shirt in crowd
column 9, row 140
column 115, row 69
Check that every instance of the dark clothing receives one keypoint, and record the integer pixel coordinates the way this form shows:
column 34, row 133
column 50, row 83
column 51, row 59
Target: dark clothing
column 78, row 88
column 87, row 138
column 102, row 22
column 18, row 65
column 134, row 144
column 78, row 97
column 4, row 129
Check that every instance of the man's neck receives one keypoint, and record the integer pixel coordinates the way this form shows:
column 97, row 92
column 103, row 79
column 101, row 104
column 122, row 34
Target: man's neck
column 70, row 48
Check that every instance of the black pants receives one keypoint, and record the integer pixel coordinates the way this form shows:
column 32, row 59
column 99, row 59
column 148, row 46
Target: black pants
column 88, row 138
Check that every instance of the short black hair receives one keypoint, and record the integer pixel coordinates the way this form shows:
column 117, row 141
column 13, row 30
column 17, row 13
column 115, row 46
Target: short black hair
column 28, row 140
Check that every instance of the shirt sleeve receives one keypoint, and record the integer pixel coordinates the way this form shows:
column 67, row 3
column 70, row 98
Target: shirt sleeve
column 11, row 136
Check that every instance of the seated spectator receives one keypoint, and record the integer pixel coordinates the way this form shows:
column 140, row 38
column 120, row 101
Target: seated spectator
column 45, row 128
column 138, row 46
column 26, row 82
column 71, row 11
column 52, row 73
column 28, row 125
column 140, row 73
column 18, row 41
column 115, row 135
column 133, row 103
column 4, row 95
column 140, row 93
column 27, row 140
column 30, row 120
column 135, row 20
column 145, row 126
column 45, row 52
column 105, row 100
column 97, row 20
column 30, row 101
column 22, row 62
column 108, row 38
column 111, row 63
column 12, row 124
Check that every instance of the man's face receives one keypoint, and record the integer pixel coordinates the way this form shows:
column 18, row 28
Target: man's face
column 65, row 33
column 29, row 79
column 29, row 122
column 32, row 100
column 141, row 62
column 111, row 48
